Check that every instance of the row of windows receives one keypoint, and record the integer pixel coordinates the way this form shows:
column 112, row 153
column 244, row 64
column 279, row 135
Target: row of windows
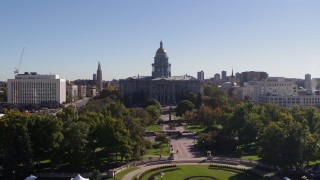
column 278, row 85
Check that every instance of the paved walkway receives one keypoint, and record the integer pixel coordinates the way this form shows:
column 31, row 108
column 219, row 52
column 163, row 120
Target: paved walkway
column 184, row 148
column 130, row 175
column 185, row 152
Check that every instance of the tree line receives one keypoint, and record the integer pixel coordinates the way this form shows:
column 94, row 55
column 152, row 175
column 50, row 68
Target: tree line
column 287, row 138
column 98, row 136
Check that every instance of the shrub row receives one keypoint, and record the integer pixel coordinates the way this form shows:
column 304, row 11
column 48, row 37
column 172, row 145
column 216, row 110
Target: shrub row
column 228, row 166
column 154, row 169
column 235, row 168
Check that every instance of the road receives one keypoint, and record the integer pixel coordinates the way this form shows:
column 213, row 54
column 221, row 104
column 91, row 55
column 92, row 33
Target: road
column 81, row 102
column 184, row 148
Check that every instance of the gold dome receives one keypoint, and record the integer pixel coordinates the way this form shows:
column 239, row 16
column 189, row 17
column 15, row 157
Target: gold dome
column 161, row 50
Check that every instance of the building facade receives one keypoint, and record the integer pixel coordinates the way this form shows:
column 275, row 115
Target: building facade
column 82, row 91
column 307, row 81
column 224, row 76
column 274, row 86
column 32, row 88
column 217, row 79
column 160, row 85
column 200, row 75
column 252, row 76
column 72, row 91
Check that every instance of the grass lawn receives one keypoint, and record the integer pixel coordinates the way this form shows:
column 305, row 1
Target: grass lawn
column 164, row 151
column 154, row 127
column 124, row 172
column 251, row 157
column 194, row 128
column 314, row 162
column 201, row 170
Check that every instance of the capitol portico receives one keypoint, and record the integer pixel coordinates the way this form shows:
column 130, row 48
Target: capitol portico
column 160, row 85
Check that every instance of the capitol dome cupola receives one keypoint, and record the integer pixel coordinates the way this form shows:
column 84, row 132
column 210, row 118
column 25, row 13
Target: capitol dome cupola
column 161, row 66
column 161, row 50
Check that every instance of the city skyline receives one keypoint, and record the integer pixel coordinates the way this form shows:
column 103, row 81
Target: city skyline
column 69, row 38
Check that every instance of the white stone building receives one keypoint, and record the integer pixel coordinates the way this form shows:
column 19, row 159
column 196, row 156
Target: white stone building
column 274, row 86
column 289, row 101
column 161, row 85
column 72, row 92
column 33, row 88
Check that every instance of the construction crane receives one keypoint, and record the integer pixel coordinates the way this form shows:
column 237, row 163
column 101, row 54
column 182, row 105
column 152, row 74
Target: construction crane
column 16, row 71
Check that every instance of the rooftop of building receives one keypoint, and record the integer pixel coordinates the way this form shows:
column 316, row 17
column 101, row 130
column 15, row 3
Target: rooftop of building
column 35, row 75
column 173, row 78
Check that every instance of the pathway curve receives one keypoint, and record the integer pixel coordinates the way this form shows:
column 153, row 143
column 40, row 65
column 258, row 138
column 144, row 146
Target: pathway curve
column 130, row 175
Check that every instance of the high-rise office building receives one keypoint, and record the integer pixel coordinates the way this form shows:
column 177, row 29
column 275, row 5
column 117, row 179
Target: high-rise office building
column 307, row 81
column 33, row 88
column 217, row 78
column 224, row 76
column 253, row 76
column 307, row 77
column 200, row 75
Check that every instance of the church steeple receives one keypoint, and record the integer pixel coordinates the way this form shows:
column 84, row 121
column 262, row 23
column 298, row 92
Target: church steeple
column 99, row 78
column 232, row 74
column 232, row 78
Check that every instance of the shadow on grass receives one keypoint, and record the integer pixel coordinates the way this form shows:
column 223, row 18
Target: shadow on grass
column 97, row 161
column 245, row 176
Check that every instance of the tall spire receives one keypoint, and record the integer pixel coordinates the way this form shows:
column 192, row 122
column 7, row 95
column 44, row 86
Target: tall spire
column 232, row 78
column 99, row 78
column 99, row 66
column 161, row 44
column 232, row 73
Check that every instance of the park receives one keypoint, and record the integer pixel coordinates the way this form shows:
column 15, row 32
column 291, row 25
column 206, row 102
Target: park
column 221, row 137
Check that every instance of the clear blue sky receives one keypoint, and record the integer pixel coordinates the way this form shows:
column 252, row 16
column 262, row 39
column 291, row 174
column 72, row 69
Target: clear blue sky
column 69, row 37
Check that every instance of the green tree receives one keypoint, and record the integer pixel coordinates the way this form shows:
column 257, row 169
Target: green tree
column 287, row 144
column 154, row 113
column 114, row 137
column 153, row 102
column 18, row 154
column 68, row 99
column 46, row 135
column 205, row 116
column 68, row 115
column 190, row 96
column 143, row 115
column 75, row 144
column 162, row 138
column 136, row 130
column 271, row 141
column 183, row 107
column 313, row 118
column 245, row 123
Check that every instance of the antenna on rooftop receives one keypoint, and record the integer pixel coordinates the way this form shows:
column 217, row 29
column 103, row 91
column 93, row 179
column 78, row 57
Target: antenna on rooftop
column 16, row 71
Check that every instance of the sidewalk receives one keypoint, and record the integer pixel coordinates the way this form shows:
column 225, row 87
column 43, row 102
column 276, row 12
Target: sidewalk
column 143, row 168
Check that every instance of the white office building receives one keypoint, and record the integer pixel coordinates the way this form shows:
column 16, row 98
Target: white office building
column 33, row 88
column 274, row 86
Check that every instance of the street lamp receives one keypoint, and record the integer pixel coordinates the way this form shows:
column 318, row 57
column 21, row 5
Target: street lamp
column 162, row 174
